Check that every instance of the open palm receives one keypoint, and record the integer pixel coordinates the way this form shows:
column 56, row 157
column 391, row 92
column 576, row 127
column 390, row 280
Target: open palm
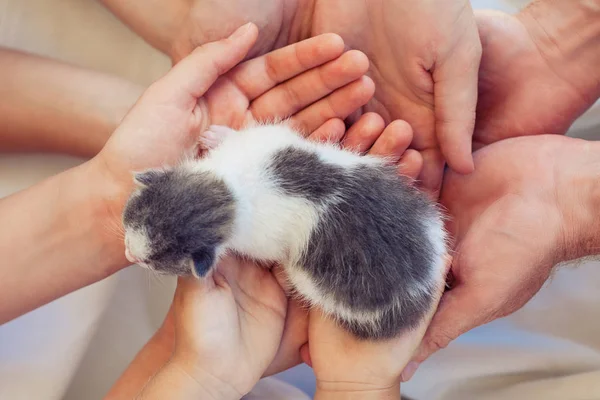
column 231, row 321
column 520, row 91
column 199, row 91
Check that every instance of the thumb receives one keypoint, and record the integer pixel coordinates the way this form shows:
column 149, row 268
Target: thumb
column 455, row 88
column 194, row 75
column 460, row 310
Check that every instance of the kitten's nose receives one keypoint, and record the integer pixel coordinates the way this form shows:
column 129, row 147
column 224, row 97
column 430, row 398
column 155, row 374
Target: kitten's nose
column 129, row 257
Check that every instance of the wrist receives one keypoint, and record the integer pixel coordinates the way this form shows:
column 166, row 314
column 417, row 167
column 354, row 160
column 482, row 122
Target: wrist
column 174, row 382
column 211, row 386
column 106, row 200
column 358, row 391
column 567, row 34
column 579, row 191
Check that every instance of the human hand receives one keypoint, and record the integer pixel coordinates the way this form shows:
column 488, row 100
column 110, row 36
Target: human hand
column 524, row 209
column 167, row 120
column 346, row 367
column 424, row 61
column 424, row 57
column 227, row 327
column 538, row 71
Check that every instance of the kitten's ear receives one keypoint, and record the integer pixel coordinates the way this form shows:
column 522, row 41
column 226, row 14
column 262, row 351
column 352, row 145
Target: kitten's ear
column 203, row 261
column 148, row 177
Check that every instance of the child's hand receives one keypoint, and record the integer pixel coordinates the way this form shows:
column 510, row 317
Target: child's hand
column 348, row 368
column 228, row 326
column 225, row 329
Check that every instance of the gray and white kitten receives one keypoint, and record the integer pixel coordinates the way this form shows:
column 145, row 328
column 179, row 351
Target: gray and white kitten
column 354, row 238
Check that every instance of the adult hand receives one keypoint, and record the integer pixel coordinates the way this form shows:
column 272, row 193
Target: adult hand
column 539, row 69
column 424, row 61
column 199, row 91
column 525, row 208
column 424, row 55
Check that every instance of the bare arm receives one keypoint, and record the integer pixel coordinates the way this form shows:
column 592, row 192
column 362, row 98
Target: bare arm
column 567, row 32
column 157, row 21
column 56, row 237
column 391, row 393
column 147, row 363
column 55, row 107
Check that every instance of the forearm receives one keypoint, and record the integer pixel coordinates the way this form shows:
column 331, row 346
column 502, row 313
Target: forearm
column 55, row 107
column 156, row 21
column 56, row 237
column 147, row 363
column 578, row 189
column 567, row 33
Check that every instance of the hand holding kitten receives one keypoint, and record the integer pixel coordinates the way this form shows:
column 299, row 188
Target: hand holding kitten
column 225, row 329
column 348, row 368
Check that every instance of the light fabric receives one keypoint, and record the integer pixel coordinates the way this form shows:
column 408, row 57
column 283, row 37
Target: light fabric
column 74, row 348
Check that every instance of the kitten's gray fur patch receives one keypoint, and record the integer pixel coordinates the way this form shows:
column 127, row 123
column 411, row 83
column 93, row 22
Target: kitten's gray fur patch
column 182, row 214
column 301, row 173
column 370, row 250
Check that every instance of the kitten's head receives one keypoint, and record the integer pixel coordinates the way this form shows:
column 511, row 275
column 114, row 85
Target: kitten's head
column 177, row 220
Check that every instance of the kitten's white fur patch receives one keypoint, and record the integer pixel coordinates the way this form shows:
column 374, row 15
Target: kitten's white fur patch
column 267, row 222
column 137, row 245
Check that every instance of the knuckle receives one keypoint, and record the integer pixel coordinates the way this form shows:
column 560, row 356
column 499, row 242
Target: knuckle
column 292, row 95
column 270, row 68
column 440, row 339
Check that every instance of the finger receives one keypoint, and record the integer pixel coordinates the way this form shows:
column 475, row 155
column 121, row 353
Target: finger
column 460, row 310
column 295, row 336
column 411, row 164
column 339, row 104
column 305, row 354
column 432, row 171
column 192, row 76
column 393, row 142
column 331, row 131
column 455, row 88
column 364, row 132
column 303, row 90
column 257, row 76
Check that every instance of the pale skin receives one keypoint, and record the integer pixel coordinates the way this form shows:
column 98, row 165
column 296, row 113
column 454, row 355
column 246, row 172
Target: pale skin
column 74, row 217
column 424, row 55
column 59, row 108
column 504, row 253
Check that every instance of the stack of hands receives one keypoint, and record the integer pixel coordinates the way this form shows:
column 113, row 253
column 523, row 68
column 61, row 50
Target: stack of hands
column 439, row 81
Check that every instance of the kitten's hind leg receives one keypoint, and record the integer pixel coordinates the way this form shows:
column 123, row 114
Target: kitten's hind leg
column 214, row 136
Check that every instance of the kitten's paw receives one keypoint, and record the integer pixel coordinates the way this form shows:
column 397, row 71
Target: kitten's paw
column 214, row 136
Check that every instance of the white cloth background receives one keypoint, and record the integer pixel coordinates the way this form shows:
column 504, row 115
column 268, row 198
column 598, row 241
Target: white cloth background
column 74, row 348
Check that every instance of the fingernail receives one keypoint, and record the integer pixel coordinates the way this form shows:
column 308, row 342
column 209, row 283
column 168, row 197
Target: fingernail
column 241, row 31
column 409, row 371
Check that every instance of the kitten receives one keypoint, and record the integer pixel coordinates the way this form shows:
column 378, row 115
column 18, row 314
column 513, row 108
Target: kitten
column 354, row 238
